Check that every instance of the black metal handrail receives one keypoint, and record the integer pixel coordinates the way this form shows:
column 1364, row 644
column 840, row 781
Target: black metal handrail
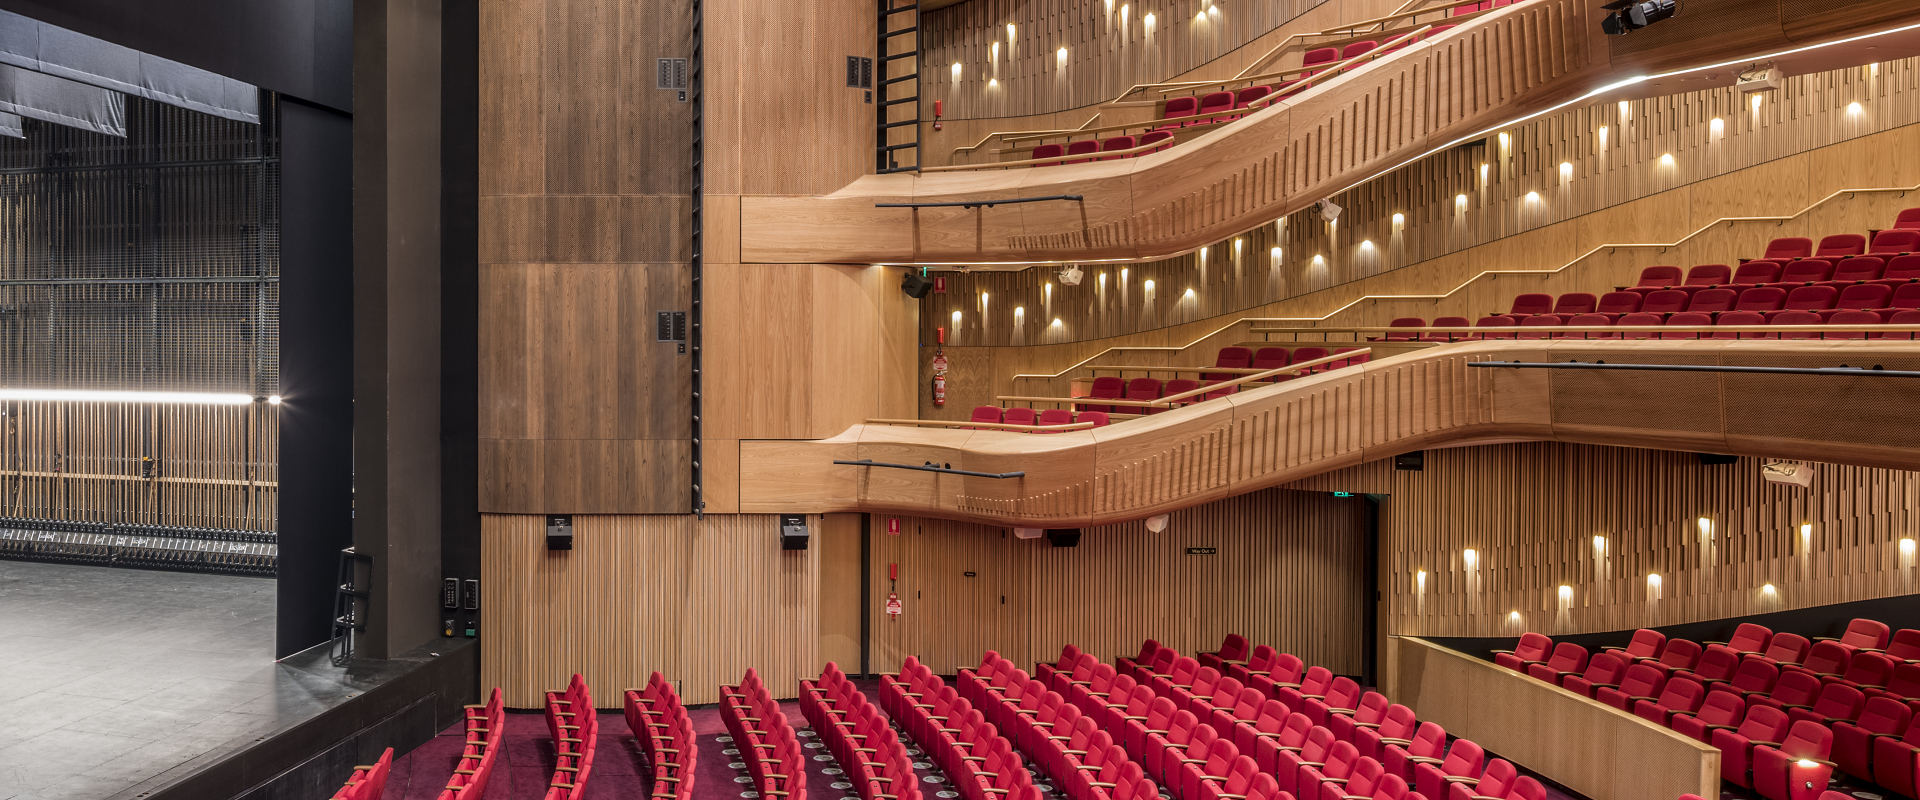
column 930, row 467
column 987, row 203
column 1875, row 371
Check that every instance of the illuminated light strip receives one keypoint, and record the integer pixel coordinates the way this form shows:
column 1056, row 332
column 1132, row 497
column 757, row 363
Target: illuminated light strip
column 187, row 398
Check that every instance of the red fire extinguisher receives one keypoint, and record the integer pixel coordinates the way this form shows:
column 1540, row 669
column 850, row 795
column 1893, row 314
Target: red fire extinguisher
column 940, row 375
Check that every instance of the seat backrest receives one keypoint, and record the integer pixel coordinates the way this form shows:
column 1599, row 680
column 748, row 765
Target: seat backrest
column 1357, row 49
column 1682, row 694
column 1909, row 219
column 1787, row 648
column 1154, row 136
column 1721, row 708
column 1761, row 298
column 1571, row 303
column 1322, row 55
column 1605, row 668
column 1749, row 638
column 1117, row 143
column 1404, row 322
column 1712, row 300
column 1789, row 247
column 1495, row 321
column 1680, row 654
column 1271, row 358
column 1527, row 789
column 1179, row 385
column 1646, row 643
column 1400, row 722
column 1308, row 353
column 1905, row 268
column 1234, row 358
column 1568, row 657
column 1742, row 318
column 1687, row 319
column 1250, row 94
column 1796, row 688
column 1108, row 387
column 1020, row 416
column 1098, row 418
column 1618, row 303
column 1586, row 321
column 1428, row 741
column 1638, row 321
column 1811, row 298
column 1885, row 715
column 1538, row 321
column 1533, row 646
column 1216, row 101
column 1048, row 151
column 1056, row 416
column 1796, row 318
column 1532, row 303
column 1755, row 675
column 1180, row 107
column 1316, row 681
column 985, row 414
column 1143, row 389
column 1708, row 275
column 1498, row 779
column 1895, row 241
column 1763, row 724
column 1665, row 301
column 1905, row 644
column 1864, row 295
column 1866, row 633
column 1757, row 272
column 1659, row 276
column 1807, row 270
column 1839, row 701
column 1808, row 739
column 1717, row 664
column 1463, row 758
column 1859, row 268
column 1851, row 318
column 1841, row 245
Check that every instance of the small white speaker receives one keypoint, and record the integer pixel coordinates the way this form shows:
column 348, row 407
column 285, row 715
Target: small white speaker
column 1791, row 472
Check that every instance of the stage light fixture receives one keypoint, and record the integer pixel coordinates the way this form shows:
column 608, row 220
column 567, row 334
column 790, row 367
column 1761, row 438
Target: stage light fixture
column 1071, row 276
column 1630, row 15
column 1327, row 210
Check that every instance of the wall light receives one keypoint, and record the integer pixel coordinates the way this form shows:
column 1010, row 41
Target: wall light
column 1757, row 100
column 1019, row 312
column 956, row 317
column 1626, row 108
column 1056, row 322
column 1047, row 289
column 1566, row 170
column 993, row 51
column 1666, row 159
column 1469, row 557
column 956, row 70
column 1600, row 543
column 1236, row 245
column 1400, row 219
column 1203, row 254
column 274, row 400
column 1149, row 284
column 1123, row 16
column 1483, row 174
column 1009, row 33
column 1189, row 294
column 1806, row 537
column 1653, row 579
column 1061, row 55
column 1716, row 126
column 84, row 396
column 1420, row 580
column 1123, row 273
column 1275, row 252
column 1460, row 200
column 1101, row 279
column 1200, row 17
column 1513, row 615
column 1317, row 260
column 1853, row 108
column 1706, row 526
column 1505, row 140
column 1148, row 19
column 1768, row 589
column 1566, row 592
column 993, row 83
column 1366, row 244
column 1603, row 135
column 1906, row 545
column 1533, row 197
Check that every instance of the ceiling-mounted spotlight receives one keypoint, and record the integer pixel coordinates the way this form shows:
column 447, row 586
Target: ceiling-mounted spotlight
column 1158, row 523
column 1327, row 210
column 1071, row 275
column 1632, row 15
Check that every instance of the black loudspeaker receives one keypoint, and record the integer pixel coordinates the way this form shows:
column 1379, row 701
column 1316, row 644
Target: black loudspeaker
column 1715, row 459
column 1063, row 537
column 915, row 286
column 559, row 532
column 793, row 532
column 1415, row 461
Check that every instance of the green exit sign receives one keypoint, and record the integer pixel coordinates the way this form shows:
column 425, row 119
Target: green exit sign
column 1342, row 494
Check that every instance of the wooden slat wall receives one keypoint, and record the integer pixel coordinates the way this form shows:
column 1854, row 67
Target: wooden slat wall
column 1499, row 228
column 699, row 601
column 585, row 183
column 1289, row 571
column 1531, row 511
column 216, row 466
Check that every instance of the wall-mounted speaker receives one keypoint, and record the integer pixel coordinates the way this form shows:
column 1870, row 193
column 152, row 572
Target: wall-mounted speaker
column 1063, row 537
column 1415, row 461
column 793, row 531
column 915, row 286
column 559, row 532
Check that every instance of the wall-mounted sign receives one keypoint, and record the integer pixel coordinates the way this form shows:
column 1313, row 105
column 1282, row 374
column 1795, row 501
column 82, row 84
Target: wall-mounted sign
column 893, row 604
column 893, row 527
column 1203, row 551
column 970, row 574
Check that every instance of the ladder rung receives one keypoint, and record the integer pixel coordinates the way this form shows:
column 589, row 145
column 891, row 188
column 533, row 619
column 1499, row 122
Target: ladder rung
column 907, row 77
column 898, row 56
column 900, row 146
column 903, row 123
column 891, row 12
column 902, row 32
column 913, row 99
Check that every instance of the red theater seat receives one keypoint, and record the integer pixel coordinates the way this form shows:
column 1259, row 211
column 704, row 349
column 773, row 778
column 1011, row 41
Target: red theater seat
column 1571, row 303
column 1104, row 388
column 1404, row 322
column 1056, row 416
column 1645, row 644
column 1664, row 301
column 1081, row 148
column 1272, row 358
column 1605, row 669
column 1533, row 648
column 1905, row 317
column 1805, row 272
column 1115, row 144
column 1457, row 322
column 989, row 414
column 1901, row 270
column 1762, row 299
column 1895, row 242
column 1810, row 298
column 1681, row 695
column 1687, row 319
column 1049, row 151
column 1785, row 648
column 1587, row 321
column 1862, row 634
column 1755, row 273
column 1678, row 654
column 1883, row 717
column 1179, row 107
column 1850, row 318
column 1538, row 321
column 1743, row 318
column 1216, row 103
column 1841, row 245
column 1780, row 772
column 1637, row 321
column 1719, row 711
column 1837, row 702
column 1702, row 276
column 1156, row 136
column 1653, row 278
column 1860, row 297
column 1790, row 247
column 1896, row 762
column 1245, row 97
column 1568, row 659
column 1859, row 269
column 1796, row 318
column 1712, row 301
column 1616, row 304
column 1530, row 304
column 1493, row 322
column 1464, row 760
column 1141, row 389
column 1021, row 416
column 1098, row 418
column 1762, row 724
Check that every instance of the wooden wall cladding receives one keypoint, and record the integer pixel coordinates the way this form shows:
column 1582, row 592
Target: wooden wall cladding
column 213, row 466
column 585, row 182
column 1581, row 744
column 1729, row 161
column 698, row 600
column 1105, row 55
column 1531, row 513
column 1289, row 571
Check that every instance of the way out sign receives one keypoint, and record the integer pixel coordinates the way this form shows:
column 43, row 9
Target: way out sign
column 893, row 604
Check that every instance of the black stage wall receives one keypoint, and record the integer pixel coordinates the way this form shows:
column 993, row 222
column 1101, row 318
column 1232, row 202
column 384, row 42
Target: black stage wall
column 460, row 292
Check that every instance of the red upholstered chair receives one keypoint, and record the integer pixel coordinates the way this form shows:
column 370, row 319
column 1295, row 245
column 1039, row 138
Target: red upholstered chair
column 1687, row 319
column 1646, row 644
column 1605, row 669
column 1716, row 665
column 1762, row 299
column 1571, row 303
column 1653, row 278
column 1568, row 660
column 1742, row 318
column 1049, row 151
column 1681, row 695
column 1217, row 103
column 1809, row 298
column 1435, row 31
column 1720, row 711
column 990, row 414
column 1463, row 322
column 1909, row 219
column 1841, row 245
column 1531, row 303
column 1315, row 750
column 1397, row 726
column 1860, row 297
column 1780, row 772
column 1904, row 686
column 1895, row 241
column 1357, row 49
column 1639, row 320
column 1533, row 648
column 1905, row 297
column 1853, row 741
column 1862, row 634
column 1081, row 148
column 1859, row 269
column 1178, row 107
column 1664, row 301
column 1304, row 354
column 1178, row 386
column 1462, row 765
column 1313, row 685
column 1272, row 358
column 1754, row 677
column 1117, row 143
column 1850, row 318
column 1906, row 317
column 1836, row 702
column 1141, row 389
column 1805, row 272
column 1904, row 647
column 1616, row 304
column 1404, row 322
column 1496, row 321
column 1642, row 681
column 1020, row 416
column 1790, row 247
column 1317, row 57
column 1678, row 654
column 1868, row 670
column 1900, row 270
column 1762, row 725
column 1794, row 689
column 1156, row 136
column 1785, row 648
column 1098, row 418
column 1243, row 98
column 1587, row 321
column 1105, row 387
column 1702, row 276
column 1538, row 321
column 1795, row 318
column 1055, row 416
column 1754, row 273
column 1712, row 301
column 1896, row 762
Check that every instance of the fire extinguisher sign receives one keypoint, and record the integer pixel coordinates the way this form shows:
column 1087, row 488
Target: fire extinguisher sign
column 893, row 604
column 940, row 378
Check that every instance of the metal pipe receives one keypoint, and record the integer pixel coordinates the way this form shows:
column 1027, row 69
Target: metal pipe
column 1874, row 372
column 929, row 467
column 987, row 203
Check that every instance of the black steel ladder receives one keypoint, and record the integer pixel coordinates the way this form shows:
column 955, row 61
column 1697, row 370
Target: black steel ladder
column 887, row 154
column 348, row 614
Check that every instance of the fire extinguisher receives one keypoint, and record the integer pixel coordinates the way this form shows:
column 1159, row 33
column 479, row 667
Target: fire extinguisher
column 940, row 388
column 940, row 369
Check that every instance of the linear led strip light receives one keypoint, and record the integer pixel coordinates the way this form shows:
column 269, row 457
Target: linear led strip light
column 184, row 398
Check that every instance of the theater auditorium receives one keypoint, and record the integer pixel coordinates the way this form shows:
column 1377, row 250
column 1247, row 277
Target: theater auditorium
column 959, row 400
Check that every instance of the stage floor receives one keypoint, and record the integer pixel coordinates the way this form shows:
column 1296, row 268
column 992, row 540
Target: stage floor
column 117, row 681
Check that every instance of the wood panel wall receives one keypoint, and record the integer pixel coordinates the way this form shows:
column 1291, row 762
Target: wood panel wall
column 585, row 182
column 212, row 466
column 1531, row 513
column 1616, row 189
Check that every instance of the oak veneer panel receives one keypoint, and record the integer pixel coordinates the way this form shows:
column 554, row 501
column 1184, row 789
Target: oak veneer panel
column 759, row 324
column 569, row 352
column 838, row 540
column 1578, row 743
column 512, row 115
column 720, row 475
column 584, row 476
column 585, row 229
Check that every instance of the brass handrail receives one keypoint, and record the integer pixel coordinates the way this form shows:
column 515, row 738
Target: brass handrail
column 997, row 426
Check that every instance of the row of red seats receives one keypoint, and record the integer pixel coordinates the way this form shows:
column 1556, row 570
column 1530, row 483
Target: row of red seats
column 1893, row 271
column 1114, row 388
column 764, row 738
column 1776, row 707
column 1689, row 319
column 664, row 731
column 575, row 729
column 1824, row 299
column 981, row 763
column 485, row 734
column 1048, row 416
column 867, row 748
column 369, row 781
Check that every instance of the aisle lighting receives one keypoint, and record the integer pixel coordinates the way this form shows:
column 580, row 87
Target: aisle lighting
column 84, row 396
